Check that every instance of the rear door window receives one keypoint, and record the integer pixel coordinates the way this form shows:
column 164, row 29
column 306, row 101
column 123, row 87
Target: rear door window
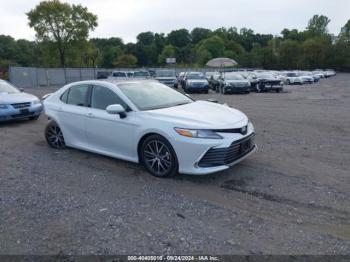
column 77, row 95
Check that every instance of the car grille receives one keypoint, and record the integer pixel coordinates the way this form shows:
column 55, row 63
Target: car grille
column 26, row 114
column 227, row 155
column 21, row 105
column 197, row 84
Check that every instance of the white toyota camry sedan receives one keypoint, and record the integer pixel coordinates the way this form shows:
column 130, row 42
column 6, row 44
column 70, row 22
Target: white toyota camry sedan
column 147, row 122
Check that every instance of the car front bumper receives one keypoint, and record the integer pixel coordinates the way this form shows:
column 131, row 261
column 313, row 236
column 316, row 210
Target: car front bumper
column 12, row 113
column 197, row 88
column 191, row 152
column 237, row 89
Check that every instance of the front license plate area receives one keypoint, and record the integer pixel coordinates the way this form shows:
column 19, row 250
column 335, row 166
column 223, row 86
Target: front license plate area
column 24, row 111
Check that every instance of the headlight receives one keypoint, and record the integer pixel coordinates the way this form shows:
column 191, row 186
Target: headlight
column 3, row 106
column 35, row 102
column 198, row 133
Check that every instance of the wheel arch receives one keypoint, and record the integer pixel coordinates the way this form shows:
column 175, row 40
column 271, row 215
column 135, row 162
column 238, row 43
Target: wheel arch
column 148, row 134
column 142, row 139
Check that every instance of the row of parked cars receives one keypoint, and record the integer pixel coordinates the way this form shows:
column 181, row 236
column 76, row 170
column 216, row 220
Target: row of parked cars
column 242, row 81
column 239, row 81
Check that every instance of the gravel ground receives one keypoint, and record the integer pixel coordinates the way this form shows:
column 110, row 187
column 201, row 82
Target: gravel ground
column 291, row 197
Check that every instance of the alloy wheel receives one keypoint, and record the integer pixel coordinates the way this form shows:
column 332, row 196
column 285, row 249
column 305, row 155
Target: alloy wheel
column 55, row 137
column 157, row 157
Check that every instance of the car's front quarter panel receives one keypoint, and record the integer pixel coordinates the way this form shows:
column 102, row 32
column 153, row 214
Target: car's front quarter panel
column 189, row 151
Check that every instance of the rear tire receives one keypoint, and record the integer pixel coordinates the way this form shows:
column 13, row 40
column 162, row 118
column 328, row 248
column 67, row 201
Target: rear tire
column 158, row 157
column 54, row 136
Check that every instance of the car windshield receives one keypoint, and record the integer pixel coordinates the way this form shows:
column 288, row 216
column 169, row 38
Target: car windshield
column 165, row 73
column 195, row 76
column 292, row 74
column 141, row 74
column 234, row 77
column 152, row 95
column 7, row 88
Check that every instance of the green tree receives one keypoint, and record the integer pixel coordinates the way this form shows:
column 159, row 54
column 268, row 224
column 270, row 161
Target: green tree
column 61, row 23
column 318, row 25
column 111, row 55
column 168, row 51
column 145, row 38
column 25, row 52
column 8, row 47
column 214, row 45
column 315, row 52
column 179, row 38
column 289, row 54
column 345, row 33
column 203, row 56
column 198, row 34
column 125, row 61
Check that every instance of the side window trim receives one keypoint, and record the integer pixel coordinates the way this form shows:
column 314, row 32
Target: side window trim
column 89, row 96
column 61, row 97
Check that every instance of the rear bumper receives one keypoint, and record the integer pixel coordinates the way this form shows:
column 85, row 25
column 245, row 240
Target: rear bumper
column 13, row 114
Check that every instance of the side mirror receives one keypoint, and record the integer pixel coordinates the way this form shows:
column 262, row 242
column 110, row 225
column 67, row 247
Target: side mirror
column 116, row 109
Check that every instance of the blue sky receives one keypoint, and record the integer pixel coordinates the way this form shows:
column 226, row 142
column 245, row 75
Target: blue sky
column 127, row 18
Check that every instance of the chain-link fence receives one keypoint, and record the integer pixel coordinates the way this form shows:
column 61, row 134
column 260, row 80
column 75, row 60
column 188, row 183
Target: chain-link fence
column 37, row 77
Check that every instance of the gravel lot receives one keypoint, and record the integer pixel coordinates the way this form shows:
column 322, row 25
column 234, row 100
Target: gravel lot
column 291, row 197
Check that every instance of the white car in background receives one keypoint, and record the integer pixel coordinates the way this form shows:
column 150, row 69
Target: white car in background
column 149, row 123
column 118, row 75
column 306, row 77
column 330, row 72
column 291, row 78
column 319, row 73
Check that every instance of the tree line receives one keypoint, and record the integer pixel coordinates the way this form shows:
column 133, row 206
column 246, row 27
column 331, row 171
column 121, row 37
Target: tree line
column 62, row 32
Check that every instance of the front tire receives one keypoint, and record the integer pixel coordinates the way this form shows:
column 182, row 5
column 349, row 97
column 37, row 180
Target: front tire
column 54, row 135
column 158, row 157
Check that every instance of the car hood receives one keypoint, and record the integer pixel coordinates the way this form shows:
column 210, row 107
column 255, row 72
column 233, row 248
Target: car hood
column 201, row 114
column 16, row 98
